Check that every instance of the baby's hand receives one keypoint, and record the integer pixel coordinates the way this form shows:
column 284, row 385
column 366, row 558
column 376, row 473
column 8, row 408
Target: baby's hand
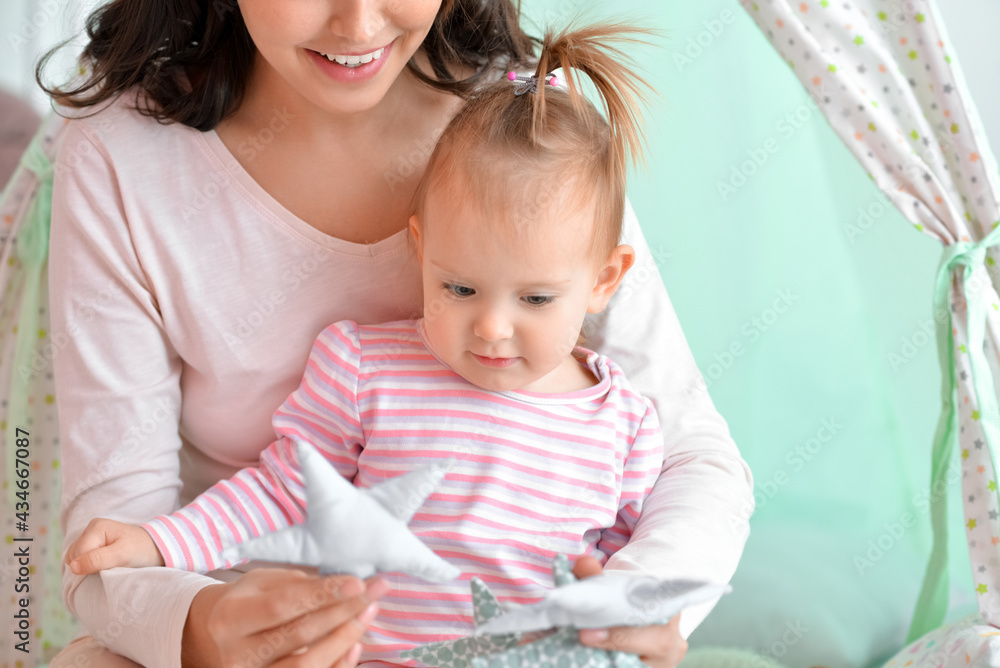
column 105, row 544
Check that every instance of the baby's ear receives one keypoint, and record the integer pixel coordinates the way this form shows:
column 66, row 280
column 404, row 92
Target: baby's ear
column 415, row 233
column 610, row 276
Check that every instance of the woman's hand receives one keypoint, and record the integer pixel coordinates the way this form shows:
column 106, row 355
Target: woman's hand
column 280, row 617
column 107, row 544
column 658, row 645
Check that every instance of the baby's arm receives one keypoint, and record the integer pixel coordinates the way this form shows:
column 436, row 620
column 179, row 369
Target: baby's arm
column 271, row 496
column 106, row 544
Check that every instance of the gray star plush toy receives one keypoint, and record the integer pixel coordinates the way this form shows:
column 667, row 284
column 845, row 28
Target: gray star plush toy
column 610, row 599
column 354, row 530
column 560, row 649
column 460, row 653
column 500, row 638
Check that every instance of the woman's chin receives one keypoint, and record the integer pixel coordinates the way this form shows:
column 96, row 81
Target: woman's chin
column 347, row 99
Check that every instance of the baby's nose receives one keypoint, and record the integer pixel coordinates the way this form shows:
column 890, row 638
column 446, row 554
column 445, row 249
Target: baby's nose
column 491, row 325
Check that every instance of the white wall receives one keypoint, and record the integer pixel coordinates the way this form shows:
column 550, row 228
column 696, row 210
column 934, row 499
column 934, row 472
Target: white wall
column 972, row 29
column 28, row 29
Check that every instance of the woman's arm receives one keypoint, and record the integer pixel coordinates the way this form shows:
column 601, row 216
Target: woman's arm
column 118, row 398
column 695, row 521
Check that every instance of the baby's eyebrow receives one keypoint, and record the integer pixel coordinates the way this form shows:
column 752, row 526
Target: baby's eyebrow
column 543, row 284
column 444, row 270
column 546, row 284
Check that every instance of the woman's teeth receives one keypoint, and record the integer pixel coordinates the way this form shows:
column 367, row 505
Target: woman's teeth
column 355, row 61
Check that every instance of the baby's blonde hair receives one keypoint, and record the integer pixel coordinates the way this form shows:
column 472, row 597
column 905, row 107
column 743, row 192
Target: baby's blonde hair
column 516, row 154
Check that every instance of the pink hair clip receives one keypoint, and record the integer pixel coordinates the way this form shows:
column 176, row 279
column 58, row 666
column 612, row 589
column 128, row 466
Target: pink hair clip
column 529, row 84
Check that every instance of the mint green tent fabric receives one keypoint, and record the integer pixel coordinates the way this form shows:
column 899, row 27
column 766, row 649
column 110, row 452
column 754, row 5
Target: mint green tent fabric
column 885, row 81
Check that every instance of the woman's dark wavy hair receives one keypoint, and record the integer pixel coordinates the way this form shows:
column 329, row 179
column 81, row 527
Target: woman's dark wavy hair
column 192, row 59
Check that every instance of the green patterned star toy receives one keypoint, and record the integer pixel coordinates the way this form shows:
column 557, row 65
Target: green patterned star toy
column 560, row 649
column 461, row 652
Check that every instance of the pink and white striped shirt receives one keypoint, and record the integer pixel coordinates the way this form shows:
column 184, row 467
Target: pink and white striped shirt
column 536, row 474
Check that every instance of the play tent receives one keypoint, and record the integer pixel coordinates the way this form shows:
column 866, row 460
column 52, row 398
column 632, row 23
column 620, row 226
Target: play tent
column 883, row 76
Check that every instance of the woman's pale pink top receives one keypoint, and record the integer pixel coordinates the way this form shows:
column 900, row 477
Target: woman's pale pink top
column 188, row 301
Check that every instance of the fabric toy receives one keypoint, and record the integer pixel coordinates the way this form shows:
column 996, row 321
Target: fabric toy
column 508, row 644
column 460, row 652
column 375, row 519
column 606, row 600
column 354, row 530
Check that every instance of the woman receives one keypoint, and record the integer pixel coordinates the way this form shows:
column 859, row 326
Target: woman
column 277, row 202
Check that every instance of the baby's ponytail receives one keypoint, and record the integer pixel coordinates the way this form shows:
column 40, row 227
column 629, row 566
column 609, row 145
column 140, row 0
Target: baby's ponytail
column 517, row 141
column 596, row 52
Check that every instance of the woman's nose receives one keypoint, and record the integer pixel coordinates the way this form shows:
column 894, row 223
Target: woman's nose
column 358, row 21
column 492, row 326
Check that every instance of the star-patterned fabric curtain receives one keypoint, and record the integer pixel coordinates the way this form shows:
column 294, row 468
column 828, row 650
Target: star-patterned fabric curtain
column 885, row 78
column 28, row 418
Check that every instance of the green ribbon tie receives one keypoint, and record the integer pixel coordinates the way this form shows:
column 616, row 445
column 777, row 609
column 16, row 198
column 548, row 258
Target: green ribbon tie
column 932, row 604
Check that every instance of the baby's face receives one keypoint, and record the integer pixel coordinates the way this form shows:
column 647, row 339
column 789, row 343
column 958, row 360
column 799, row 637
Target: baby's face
column 504, row 302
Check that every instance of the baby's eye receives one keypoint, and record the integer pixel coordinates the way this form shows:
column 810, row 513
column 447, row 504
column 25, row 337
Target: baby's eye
column 538, row 300
column 459, row 290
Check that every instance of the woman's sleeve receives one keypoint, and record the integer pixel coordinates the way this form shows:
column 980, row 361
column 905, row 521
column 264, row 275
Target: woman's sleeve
column 118, row 399
column 322, row 411
column 695, row 521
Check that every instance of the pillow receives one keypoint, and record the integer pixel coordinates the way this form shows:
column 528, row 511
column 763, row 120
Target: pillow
column 970, row 641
